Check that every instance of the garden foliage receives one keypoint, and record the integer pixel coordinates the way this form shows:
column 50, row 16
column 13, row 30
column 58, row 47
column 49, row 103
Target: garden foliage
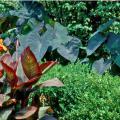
column 16, row 87
column 86, row 95
column 32, row 27
column 72, row 30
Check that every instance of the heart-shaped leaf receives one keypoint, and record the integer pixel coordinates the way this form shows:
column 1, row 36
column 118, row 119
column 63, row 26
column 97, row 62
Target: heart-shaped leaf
column 101, row 66
column 33, row 40
column 70, row 50
column 113, row 42
column 94, row 42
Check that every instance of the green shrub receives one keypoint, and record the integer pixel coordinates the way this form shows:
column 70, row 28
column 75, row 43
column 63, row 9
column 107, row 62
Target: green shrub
column 7, row 5
column 83, row 18
column 85, row 96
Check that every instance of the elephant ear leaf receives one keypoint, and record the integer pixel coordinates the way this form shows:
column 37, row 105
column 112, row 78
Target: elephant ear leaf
column 29, row 63
column 113, row 42
column 113, row 46
column 94, row 42
column 100, row 66
column 11, row 75
column 97, row 38
column 70, row 50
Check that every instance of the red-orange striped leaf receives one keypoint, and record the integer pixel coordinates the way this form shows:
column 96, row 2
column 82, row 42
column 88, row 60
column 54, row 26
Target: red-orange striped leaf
column 28, row 83
column 29, row 63
column 11, row 75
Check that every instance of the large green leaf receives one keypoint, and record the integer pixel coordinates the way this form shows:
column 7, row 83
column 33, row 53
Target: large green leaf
column 33, row 40
column 113, row 47
column 116, row 59
column 101, row 65
column 113, row 43
column 94, row 42
column 96, row 38
column 54, row 37
column 60, row 35
column 70, row 50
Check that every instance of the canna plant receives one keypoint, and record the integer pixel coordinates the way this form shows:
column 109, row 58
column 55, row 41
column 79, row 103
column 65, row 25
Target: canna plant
column 18, row 82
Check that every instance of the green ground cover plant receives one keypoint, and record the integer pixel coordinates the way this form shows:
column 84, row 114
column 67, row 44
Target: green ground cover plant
column 86, row 95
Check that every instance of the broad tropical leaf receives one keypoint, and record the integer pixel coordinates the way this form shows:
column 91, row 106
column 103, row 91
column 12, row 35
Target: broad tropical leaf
column 101, row 65
column 94, row 42
column 31, row 39
column 116, row 59
column 11, row 75
column 113, row 43
column 30, row 64
column 26, row 113
column 70, row 50
column 20, row 73
column 55, row 82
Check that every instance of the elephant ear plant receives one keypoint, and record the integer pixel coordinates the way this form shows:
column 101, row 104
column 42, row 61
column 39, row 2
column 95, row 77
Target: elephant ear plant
column 18, row 82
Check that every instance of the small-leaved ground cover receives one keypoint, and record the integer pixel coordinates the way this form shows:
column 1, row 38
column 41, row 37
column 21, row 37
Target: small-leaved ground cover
column 85, row 96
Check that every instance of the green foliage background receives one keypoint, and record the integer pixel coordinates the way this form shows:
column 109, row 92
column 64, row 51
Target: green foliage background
column 6, row 5
column 85, row 95
column 83, row 18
